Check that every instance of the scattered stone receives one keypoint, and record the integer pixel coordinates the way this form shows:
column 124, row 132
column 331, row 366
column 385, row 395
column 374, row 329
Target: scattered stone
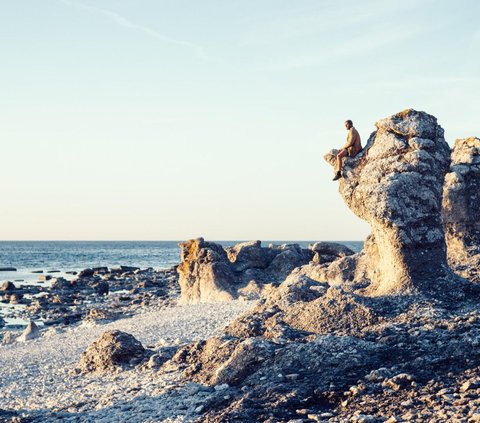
column 400, row 381
column 99, row 315
column 60, row 283
column 31, row 332
column 114, row 350
column 7, row 286
column 86, row 273
column 326, row 252
column 102, row 288
column 8, row 338
column 44, row 278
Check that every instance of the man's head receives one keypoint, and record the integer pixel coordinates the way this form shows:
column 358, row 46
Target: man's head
column 348, row 124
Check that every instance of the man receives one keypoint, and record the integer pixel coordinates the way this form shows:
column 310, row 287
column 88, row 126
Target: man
column 350, row 149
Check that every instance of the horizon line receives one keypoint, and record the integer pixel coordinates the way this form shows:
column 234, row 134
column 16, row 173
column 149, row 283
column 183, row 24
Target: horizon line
column 172, row 240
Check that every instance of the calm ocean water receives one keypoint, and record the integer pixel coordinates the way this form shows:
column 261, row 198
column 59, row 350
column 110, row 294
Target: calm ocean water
column 27, row 256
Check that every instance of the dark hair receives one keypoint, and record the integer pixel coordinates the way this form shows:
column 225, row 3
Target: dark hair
column 349, row 122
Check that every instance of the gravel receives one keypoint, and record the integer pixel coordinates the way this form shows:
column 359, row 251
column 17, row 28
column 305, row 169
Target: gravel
column 39, row 380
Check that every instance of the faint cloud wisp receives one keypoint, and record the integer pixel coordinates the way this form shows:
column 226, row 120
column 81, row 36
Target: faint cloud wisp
column 199, row 51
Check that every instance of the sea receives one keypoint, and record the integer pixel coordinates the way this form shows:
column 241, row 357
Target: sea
column 60, row 257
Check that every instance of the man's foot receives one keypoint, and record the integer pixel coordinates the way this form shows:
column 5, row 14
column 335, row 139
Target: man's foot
column 338, row 175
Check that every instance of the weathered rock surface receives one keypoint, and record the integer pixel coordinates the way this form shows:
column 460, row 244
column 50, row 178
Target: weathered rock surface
column 114, row 350
column 310, row 349
column 326, row 252
column 31, row 332
column 209, row 273
column 461, row 201
column 396, row 184
column 301, row 306
column 204, row 272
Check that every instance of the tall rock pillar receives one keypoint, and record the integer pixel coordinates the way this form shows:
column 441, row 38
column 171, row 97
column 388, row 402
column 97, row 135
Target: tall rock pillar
column 461, row 201
column 395, row 184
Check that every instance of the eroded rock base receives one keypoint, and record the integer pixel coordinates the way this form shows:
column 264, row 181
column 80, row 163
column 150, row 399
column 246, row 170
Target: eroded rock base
column 315, row 352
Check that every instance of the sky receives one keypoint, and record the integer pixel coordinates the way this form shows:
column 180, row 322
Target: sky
column 170, row 120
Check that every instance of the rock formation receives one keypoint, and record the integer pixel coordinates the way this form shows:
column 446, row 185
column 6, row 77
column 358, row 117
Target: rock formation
column 395, row 184
column 208, row 272
column 311, row 350
column 461, row 201
column 30, row 332
column 112, row 351
column 326, row 252
column 204, row 272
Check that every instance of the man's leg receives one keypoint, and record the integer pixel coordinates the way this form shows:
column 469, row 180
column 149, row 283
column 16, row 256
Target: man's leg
column 341, row 154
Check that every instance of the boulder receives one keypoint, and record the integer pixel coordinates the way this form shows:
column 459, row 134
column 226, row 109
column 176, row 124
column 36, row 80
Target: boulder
column 31, row 332
column 7, row 286
column 396, row 184
column 16, row 298
column 288, row 258
column 98, row 315
column 60, row 283
column 326, row 252
column 43, row 278
column 8, row 338
column 86, row 273
column 102, row 288
column 205, row 274
column 100, row 270
column 247, row 255
column 461, row 201
column 114, row 350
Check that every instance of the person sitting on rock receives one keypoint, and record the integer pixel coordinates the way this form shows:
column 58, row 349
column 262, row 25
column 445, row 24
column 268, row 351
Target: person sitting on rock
column 350, row 149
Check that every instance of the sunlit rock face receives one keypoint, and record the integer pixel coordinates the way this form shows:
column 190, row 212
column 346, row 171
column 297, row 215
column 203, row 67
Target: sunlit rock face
column 461, row 201
column 395, row 184
column 204, row 272
column 210, row 273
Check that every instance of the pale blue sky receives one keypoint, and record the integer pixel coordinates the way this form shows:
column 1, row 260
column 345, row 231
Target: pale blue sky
column 150, row 119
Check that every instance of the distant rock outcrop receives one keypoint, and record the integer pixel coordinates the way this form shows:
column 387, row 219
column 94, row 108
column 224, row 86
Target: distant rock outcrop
column 461, row 201
column 326, row 252
column 395, row 184
column 209, row 273
column 112, row 351
column 204, row 272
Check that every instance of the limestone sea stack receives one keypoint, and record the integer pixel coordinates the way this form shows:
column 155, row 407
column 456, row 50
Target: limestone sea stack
column 461, row 201
column 395, row 184
column 204, row 272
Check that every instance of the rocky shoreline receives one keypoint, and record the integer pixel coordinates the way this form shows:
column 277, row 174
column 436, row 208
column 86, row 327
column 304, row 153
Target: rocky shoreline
column 94, row 294
column 282, row 333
